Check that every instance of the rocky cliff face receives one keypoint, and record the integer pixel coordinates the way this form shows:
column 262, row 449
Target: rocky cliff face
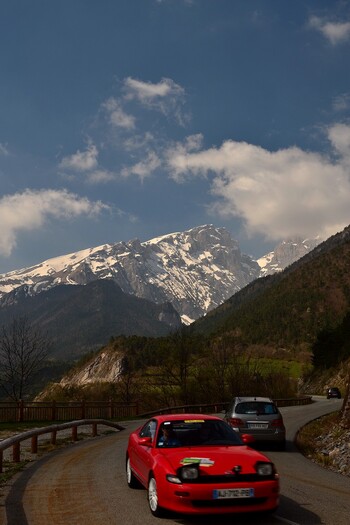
column 195, row 271
column 105, row 367
column 285, row 254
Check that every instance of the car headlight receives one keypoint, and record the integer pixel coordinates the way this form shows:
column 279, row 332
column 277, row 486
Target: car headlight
column 183, row 474
column 188, row 472
column 264, row 469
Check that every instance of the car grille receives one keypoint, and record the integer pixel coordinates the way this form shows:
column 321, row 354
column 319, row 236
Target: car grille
column 231, row 478
column 235, row 502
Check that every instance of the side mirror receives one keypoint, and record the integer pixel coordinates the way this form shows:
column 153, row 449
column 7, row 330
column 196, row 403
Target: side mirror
column 247, row 438
column 145, row 441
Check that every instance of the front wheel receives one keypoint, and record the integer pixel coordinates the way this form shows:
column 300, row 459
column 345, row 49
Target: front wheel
column 152, row 495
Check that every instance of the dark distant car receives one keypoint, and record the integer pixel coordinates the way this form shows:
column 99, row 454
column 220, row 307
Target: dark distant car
column 196, row 464
column 333, row 392
column 258, row 417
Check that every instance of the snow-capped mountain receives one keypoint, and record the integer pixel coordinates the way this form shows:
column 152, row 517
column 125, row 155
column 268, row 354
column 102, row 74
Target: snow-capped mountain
column 285, row 254
column 195, row 270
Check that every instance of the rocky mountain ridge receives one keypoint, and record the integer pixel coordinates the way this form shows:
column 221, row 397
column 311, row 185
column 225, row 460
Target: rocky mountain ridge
column 196, row 270
column 285, row 254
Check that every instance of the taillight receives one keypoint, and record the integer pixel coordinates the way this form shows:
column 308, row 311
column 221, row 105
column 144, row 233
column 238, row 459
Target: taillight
column 277, row 423
column 235, row 422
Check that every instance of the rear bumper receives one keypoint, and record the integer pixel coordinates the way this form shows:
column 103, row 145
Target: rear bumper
column 278, row 436
column 270, row 438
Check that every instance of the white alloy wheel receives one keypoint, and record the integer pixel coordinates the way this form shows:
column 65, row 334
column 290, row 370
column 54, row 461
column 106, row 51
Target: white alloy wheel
column 153, row 497
column 130, row 478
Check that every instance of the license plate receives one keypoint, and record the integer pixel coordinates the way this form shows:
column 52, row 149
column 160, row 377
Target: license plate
column 258, row 425
column 233, row 493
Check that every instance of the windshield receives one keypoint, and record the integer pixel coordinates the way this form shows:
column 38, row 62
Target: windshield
column 198, row 432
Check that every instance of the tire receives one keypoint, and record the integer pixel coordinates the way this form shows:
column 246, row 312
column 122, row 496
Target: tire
column 152, row 496
column 130, row 478
column 281, row 446
column 267, row 513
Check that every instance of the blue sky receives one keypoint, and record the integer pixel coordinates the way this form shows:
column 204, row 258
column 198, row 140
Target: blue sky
column 137, row 118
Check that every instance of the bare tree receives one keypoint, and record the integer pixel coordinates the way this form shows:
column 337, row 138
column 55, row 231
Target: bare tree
column 129, row 382
column 23, row 348
column 176, row 367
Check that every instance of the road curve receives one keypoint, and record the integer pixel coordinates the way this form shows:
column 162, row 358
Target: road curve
column 85, row 484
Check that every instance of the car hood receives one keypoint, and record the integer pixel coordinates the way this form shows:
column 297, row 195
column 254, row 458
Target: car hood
column 215, row 460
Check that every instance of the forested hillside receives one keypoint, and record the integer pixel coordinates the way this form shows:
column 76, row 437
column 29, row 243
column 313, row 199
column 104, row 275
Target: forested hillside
column 293, row 309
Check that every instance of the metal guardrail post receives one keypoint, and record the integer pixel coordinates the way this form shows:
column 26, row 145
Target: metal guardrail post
column 34, row 447
column 74, row 433
column 16, row 452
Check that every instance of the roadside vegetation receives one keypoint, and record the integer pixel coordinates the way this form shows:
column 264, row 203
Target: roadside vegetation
column 326, row 442
column 184, row 370
column 10, row 469
column 310, row 434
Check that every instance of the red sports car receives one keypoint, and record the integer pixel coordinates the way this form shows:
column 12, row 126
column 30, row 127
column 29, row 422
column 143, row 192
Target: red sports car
column 197, row 464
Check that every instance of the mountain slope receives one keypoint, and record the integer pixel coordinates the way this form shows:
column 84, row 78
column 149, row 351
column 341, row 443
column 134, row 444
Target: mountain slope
column 285, row 254
column 195, row 270
column 82, row 318
column 289, row 309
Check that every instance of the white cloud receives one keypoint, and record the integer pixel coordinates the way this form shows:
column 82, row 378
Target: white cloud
column 138, row 142
column 341, row 102
column 165, row 96
column 339, row 136
column 179, row 157
column 335, row 32
column 81, row 160
column 117, row 116
column 144, row 168
column 277, row 194
column 146, row 91
column 86, row 164
column 100, row 176
column 30, row 210
column 3, row 150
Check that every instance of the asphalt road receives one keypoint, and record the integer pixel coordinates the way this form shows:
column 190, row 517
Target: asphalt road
column 84, row 484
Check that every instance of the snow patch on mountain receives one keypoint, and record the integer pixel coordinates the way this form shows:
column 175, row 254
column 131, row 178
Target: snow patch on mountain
column 195, row 270
column 286, row 253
